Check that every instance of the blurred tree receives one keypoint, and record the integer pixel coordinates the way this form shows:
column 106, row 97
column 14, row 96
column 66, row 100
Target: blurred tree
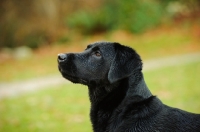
column 33, row 23
column 131, row 15
column 21, row 20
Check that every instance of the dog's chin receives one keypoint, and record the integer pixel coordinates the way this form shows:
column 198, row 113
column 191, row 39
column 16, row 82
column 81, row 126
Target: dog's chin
column 73, row 78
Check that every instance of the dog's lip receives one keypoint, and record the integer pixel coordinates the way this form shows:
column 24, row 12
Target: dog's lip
column 73, row 78
column 60, row 69
column 64, row 72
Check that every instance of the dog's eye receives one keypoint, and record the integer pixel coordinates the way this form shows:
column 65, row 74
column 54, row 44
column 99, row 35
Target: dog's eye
column 97, row 53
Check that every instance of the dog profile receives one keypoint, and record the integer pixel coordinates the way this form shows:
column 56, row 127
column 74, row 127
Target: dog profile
column 120, row 99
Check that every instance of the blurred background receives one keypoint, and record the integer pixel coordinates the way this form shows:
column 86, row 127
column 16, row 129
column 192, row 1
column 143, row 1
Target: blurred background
column 32, row 33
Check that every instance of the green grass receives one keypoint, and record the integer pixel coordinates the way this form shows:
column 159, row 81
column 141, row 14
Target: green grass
column 66, row 107
column 178, row 86
column 61, row 109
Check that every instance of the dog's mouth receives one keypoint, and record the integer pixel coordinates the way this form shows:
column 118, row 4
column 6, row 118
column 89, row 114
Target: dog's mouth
column 71, row 76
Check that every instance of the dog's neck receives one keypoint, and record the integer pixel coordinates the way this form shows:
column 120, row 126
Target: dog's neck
column 138, row 87
column 130, row 87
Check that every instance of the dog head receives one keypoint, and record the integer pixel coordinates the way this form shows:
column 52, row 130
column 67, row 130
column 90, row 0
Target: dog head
column 100, row 63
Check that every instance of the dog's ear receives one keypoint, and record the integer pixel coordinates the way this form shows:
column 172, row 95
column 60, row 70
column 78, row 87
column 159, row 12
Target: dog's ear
column 126, row 61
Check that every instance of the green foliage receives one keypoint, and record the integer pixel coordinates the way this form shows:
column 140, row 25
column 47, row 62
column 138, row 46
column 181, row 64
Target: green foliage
column 135, row 16
column 38, row 24
column 13, row 35
column 88, row 22
column 34, row 39
column 7, row 34
column 63, row 39
column 140, row 15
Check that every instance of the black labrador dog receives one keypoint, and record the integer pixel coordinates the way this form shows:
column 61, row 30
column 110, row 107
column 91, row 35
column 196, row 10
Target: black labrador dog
column 120, row 98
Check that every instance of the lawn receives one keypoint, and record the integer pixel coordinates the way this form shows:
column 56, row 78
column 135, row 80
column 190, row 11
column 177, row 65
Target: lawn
column 66, row 107
column 60, row 109
column 178, row 86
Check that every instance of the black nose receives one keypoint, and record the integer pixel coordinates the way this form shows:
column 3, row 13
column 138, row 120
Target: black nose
column 62, row 57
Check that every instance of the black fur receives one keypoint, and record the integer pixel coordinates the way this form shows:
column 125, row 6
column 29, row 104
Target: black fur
column 120, row 99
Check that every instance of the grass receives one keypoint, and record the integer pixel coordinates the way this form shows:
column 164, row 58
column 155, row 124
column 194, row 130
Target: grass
column 156, row 43
column 177, row 86
column 54, row 109
column 66, row 107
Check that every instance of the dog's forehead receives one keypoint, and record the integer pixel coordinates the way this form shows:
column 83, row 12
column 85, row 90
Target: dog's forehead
column 101, row 45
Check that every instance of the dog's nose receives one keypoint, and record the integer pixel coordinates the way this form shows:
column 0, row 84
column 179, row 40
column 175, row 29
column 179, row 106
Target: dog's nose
column 62, row 57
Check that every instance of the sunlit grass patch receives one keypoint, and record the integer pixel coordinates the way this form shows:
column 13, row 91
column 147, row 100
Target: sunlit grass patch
column 177, row 86
column 160, row 43
column 62, row 109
